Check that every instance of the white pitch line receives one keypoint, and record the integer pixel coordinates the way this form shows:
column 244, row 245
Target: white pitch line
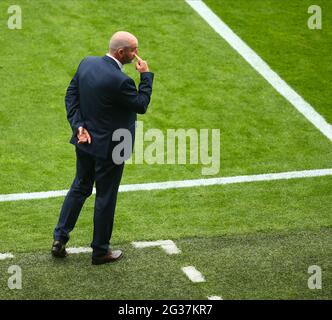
column 4, row 256
column 193, row 274
column 261, row 67
column 78, row 250
column 180, row 184
column 167, row 245
column 215, row 298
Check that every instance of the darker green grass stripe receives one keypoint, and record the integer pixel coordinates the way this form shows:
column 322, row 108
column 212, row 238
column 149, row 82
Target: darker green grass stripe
column 255, row 266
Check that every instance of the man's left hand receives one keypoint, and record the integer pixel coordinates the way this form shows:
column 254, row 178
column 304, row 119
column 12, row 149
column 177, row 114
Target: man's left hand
column 83, row 136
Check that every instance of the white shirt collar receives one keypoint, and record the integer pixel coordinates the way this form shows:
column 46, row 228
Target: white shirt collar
column 116, row 60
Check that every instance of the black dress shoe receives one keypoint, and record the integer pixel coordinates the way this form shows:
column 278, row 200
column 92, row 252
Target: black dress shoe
column 109, row 257
column 59, row 249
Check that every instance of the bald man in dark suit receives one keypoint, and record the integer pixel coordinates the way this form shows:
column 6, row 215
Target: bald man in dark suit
column 100, row 100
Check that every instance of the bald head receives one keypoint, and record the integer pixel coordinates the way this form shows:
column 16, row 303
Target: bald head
column 122, row 39
column 123, row 46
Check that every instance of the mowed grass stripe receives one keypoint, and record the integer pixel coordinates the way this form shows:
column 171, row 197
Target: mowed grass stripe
column 177, row 213
column 254, row 266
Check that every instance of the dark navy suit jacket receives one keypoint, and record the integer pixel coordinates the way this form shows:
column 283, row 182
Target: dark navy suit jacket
column 102, row 99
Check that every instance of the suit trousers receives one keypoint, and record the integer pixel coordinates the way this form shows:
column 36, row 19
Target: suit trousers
column 107, row 176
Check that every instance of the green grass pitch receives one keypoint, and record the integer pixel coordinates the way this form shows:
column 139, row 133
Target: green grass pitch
column 250, row 240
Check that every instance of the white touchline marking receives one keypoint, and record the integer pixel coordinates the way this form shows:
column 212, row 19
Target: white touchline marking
column 4, row 256
column 167, row 245
column 215, row 298
column 193, row 274
column 261, row 67
column 78, row 250
column 179, row 184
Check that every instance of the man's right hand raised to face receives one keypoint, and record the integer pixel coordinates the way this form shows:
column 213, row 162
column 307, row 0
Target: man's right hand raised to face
column 141, row 65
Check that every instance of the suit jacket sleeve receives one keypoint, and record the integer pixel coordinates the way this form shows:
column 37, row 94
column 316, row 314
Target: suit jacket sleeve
column 136, row 101
column 72, row 103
